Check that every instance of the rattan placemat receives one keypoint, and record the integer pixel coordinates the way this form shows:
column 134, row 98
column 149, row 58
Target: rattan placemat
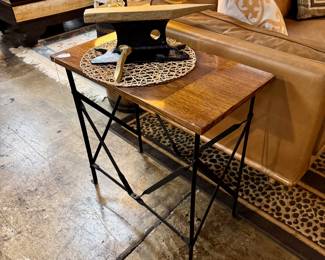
column 137, row 75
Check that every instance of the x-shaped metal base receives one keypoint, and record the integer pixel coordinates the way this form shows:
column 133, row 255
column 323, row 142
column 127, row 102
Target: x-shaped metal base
column 195, row 164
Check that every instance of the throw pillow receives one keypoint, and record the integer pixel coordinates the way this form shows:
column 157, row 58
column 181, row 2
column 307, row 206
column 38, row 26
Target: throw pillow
column 262, row 13
column 310, row 8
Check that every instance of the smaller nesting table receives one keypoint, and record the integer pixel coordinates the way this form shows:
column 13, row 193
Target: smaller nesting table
column 197, row 102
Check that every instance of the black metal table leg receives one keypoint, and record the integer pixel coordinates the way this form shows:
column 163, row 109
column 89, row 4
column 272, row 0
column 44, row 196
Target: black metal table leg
column 196, row 154
column 242, row 161
column 137, row 115
column 99, row 147
column 174, row 146
column 79, row 108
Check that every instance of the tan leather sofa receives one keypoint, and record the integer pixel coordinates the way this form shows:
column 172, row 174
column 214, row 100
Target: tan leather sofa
column 288, row 126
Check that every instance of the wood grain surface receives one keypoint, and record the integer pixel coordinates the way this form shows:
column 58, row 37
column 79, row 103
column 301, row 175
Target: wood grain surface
column 198, row 101
column 46, row 8
column 141, row 13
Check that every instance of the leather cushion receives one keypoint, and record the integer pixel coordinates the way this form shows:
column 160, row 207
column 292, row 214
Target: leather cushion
column 312, row 31
column 216, row 22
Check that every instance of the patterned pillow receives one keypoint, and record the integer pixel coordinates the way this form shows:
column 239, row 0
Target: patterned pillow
column 310, row 8
column 262, row 13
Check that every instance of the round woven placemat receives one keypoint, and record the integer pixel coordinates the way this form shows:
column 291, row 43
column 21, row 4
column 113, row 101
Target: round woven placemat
column 137, row 75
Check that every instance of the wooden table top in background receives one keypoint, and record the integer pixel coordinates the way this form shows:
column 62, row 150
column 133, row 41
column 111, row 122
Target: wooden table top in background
column 197, row 101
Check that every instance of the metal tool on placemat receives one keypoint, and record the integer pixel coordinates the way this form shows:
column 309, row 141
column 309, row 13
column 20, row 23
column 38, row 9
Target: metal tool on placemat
column 106, row 57
column 125, row 52
column 143, row 29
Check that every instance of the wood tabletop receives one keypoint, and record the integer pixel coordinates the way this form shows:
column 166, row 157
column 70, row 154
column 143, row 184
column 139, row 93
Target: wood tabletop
column 198, row 101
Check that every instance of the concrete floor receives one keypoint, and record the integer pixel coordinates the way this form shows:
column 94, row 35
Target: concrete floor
column 49, row 209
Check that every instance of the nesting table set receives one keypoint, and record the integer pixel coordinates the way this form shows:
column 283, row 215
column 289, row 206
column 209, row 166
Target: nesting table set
column 197, row 102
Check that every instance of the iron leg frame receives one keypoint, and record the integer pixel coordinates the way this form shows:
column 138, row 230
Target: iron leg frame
column 81, row 111
column 137, row 116
column 195, row 164
column 196, row 155
column 79, row 108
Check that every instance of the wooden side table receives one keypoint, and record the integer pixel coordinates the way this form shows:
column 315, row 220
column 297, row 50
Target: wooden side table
column 197, row 102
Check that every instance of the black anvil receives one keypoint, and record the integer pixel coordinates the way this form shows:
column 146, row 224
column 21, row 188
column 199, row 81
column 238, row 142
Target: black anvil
column 143, row 29
column 148, row 41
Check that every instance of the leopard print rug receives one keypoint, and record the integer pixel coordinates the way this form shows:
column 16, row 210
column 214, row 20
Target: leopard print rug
column 296, row 207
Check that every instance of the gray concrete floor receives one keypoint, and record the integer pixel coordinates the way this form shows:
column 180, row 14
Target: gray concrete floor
column 49, row 209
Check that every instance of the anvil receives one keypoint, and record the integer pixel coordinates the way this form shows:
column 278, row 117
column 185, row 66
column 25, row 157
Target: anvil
column 143, row 29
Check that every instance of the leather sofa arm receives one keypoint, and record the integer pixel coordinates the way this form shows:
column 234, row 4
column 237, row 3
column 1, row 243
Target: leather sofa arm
column 279, row 63
column 289, row 113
